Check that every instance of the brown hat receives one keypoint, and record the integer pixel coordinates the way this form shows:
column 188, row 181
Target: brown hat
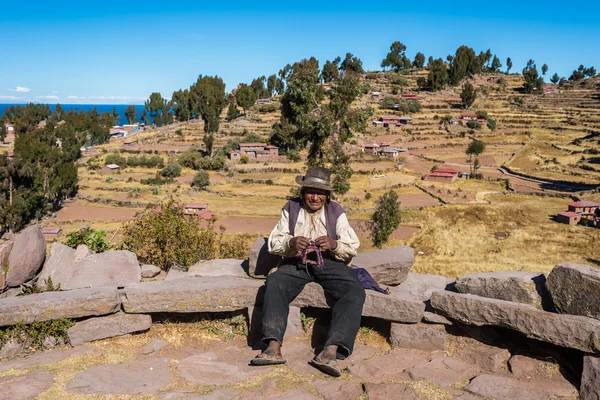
column 316, row 177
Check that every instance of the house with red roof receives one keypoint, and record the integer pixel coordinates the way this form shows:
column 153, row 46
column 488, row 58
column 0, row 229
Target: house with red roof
column 467, row 117
column 443, row 175
column 568, row 217
column 581, row 212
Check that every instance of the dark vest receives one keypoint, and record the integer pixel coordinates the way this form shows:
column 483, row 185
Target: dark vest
column 333, row 210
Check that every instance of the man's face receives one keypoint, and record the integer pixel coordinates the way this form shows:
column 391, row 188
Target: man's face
column 315, row 198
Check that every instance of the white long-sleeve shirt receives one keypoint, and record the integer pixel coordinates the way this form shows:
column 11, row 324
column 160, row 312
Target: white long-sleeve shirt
column 312, row 226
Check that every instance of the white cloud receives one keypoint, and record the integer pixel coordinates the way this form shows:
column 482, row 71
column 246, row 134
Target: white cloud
column 107, row 99
column 20, row 89
column 9, row 98
column 46, row 98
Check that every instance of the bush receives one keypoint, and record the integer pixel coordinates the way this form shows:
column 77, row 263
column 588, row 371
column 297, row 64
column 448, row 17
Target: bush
column 94, row 239
column 372, row 75
column 368, row 196
column 386, row 217
column 473, row 124
column 34, row 335
column 398, row 80
column 171, row 170
column 405, row 106
column 235, row 247
column 266, row 108
column 201, row 180
column 244, row 159
column 116, row 158
column 491, row 124
column 293, row 155
column 168, row 237
column 110, row 179
column 179, row 132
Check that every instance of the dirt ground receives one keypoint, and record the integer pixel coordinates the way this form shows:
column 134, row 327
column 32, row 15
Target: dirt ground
column 78, row 211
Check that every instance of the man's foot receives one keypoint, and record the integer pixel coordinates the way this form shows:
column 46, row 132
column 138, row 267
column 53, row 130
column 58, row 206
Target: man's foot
column 271, row 355
column 326, row 361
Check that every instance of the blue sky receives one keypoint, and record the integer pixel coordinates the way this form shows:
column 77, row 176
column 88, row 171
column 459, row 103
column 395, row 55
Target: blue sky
column 119, row 52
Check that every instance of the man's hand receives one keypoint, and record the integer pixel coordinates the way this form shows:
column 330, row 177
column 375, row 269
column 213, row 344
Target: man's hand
column 326, row 243
column 299, row 243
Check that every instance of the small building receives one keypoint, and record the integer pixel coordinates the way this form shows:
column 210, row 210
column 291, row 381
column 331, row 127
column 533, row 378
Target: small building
column 390, row 121
column 465, row 175
column 550, row 89
column 111, row 168
column 468, row 117
column 584, row 207
column 410, row 96
column 448, row 170
column 118, row 132
column 235, row 156
column 406, row 120
column 443, row 177
column 378, row 124
column 262, row 102
column 392, row 153
column 195, row 208
column 568, row 217
column 372, row 148
column 259, row 151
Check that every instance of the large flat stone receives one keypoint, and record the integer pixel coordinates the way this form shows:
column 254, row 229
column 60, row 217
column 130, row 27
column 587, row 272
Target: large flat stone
column 58, row 266
column 260, row 261
column 338, row 390
column 504, row 388
column 104, row 327
column 26, row 386
column 443, row 371
column 219, row 267
column 149, row 271
column 564, row 330
column 427, row 337
column 398, row 306
column 590, row 379
column 45, row 357
column 521, row 287
column 385, row 391
column 575, row 289
column 191, row 295
column 55, row 305
column 387, row 266
column 26, row 257
column 111, row 268
column 387, row 367
column 422, row 285
column 489, row 358
column 146, row 376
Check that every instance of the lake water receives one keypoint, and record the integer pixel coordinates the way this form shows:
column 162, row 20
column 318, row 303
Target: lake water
column 86, row 107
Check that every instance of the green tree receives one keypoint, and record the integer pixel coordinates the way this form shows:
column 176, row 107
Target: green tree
column 209, row 140
column 207, row 100
column 386, row 217
column 144, row 118
column 419, row 61
column 555, row 78
column 352, row 64
column 475, row 148
column 544, row 69
column 396, row 57
column 258, row 85
column 131, row 114
column 245, row 97
column 271, row 85
column 509, row 65
column 171, row 170
column 533, row 82
column 340, row 168
column 115, row 114
column 464, row 64
column 232, row 111
column 201, row 180
column 438, row 75
column 158, row 108
column 181, row 105
column 330, row 70
column 496, row 64
column 468, row 95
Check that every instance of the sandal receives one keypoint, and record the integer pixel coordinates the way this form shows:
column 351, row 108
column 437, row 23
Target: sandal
column 265, row 358
column 328, row 367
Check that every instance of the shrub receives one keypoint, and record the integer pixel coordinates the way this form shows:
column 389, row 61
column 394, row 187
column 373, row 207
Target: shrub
column 473, row 124
column 94, row 239
column 398, row 80
column 110, row 179
column 368, row 196
column 33, row 335
column 235, row 246
column 201, row 180
column 372, row 75
column 244, row 159
column 386, row 217
column 269, row 182
column 395, row 90
column 168, row 237
column 266, row 108
column 171, row 170
column 179, row 132
column 293, row 155
column 491, row 124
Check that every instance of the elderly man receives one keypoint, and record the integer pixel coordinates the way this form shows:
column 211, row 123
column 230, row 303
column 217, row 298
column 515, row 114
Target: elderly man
column 317, row 243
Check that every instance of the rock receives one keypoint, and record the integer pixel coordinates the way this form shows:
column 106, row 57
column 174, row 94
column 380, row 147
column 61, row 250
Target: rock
column 2, row 280
column 338, row 390
column 220, row 367
column 55, row 305
column 28, row 386
column 255, row 315
column 526, row 367
column 425, row 337
column 45, row 357
column 176, row 272
column 504, row 388
column 575, row 289
column 191, row 295
column 11, row 292
column 260, row 261
column 219, row 394
column 5, row 249
column 154, row 346
column 387, row 367
column 387, row 266
column 590, row 379
column 26, row 257
column 486, row 357
column 81, row 252
column 383, row 391
column 521, row 287
column 396, row 307
column 145, row 376
column 149, row 271
column 422, row 285
column 50, row 342
column 58, row 266
column 443, row 371
column 220, row 267
column 434, row 318
column 111, row 268
column 564, row 330
column 104, row 327
column 11, row 349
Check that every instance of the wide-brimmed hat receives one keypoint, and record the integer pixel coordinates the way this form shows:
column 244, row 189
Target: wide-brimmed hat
column 316, row 177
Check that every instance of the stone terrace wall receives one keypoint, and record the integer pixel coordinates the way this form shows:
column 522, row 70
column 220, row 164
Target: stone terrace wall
column 558, row 313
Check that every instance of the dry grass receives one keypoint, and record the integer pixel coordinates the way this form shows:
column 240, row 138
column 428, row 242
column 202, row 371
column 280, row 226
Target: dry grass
column 426, row 390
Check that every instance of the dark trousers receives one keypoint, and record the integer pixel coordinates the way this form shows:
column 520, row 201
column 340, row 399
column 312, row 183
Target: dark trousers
column 341, row 286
